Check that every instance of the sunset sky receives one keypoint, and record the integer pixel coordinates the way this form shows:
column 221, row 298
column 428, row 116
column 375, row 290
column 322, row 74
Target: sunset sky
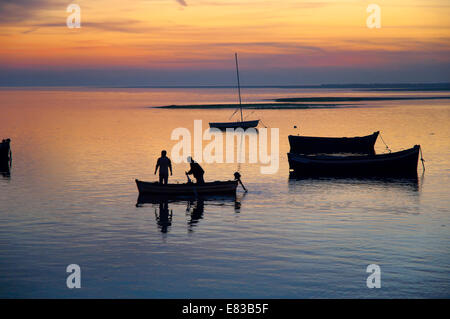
column 176, row 42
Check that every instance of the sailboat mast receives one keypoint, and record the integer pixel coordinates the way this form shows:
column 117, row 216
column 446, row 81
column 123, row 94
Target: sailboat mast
column 239, row 86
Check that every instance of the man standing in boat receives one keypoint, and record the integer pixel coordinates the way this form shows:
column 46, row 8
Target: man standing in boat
column 196, row 170
column 164, row 164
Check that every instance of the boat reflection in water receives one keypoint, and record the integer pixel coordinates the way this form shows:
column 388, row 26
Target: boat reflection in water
column 409, row 183
column 195, row 207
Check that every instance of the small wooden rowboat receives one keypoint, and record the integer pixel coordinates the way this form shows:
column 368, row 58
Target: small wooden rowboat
column 403, row 163
column 5, row 150
column 240, row 124
column 329, row 145
column 187, row 189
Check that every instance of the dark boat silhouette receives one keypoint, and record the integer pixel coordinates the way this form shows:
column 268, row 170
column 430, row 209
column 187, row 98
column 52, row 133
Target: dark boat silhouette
column 187, row 189
column 238, row 124
column 403, row 163
column 5, row 150
column 241, row 124
column 329, row 145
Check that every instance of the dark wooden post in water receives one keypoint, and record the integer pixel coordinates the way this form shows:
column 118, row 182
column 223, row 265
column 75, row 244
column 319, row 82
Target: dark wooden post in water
column 239, row 85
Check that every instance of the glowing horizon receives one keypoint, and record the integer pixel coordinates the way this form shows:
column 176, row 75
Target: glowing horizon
column 170, row 35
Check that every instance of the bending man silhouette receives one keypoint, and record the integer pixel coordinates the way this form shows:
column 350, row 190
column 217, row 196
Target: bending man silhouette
column 196, row 170
column 164, row 164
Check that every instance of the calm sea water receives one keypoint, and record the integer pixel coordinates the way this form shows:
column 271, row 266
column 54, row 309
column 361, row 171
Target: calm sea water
column 71, row 199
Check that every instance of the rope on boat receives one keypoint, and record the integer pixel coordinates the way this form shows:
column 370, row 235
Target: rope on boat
column 266, row 126
column 233, row 114
column 387, row 147
column 250, row 113
column 421, row 158
column 240, row 152
column 237, row 174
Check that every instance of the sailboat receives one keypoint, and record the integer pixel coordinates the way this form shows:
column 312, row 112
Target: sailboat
column 239, row 124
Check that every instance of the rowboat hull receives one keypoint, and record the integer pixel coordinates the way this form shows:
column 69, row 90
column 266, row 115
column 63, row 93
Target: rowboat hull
column 402, row 163
column 329, row 145
column 189, row 189
column 243, row 125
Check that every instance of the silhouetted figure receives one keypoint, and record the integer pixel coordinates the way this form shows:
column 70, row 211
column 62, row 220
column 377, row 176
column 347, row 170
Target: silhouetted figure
column 196, row 170
column 164, row 164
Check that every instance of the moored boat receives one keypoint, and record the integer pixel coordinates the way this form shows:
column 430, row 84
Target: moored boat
column 403, row 163
column 187, row 189
column 329, row 145
column 238, row 124
column 244, row 125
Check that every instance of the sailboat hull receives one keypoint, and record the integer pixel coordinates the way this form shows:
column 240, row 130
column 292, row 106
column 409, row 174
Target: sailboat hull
column 243, row 124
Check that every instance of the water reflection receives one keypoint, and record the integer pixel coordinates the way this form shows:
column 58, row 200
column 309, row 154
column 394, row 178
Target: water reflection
column 195, row 208
column 410, row 183
column 164, row 218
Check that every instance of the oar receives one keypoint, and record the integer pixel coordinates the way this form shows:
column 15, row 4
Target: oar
column 189, row 181
column 237, row 176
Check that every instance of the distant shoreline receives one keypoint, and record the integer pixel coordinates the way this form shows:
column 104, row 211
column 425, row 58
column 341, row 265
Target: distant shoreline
column 296, row 103
column 358, row 99
column 257, row 106
column 444, row 86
